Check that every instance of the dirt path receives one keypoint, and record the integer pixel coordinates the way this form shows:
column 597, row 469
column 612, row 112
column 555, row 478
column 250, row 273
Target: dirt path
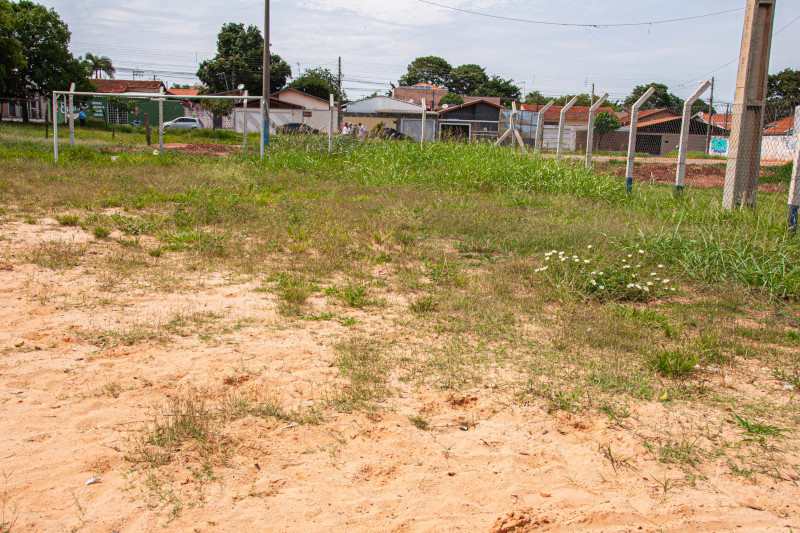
column 93, row 366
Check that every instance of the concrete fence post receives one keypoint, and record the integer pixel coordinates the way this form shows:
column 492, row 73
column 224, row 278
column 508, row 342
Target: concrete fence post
column 330, row 124
column 161, row 122
column 55, row 126
column 632, row 137
column 590, row 131
column 794, row 187
column 511, row 128
column 540, row 126
column 264, row 128
column 562, row 119
column 71, row 116
column 244, row 125
column 424, row 116
column 683, row 148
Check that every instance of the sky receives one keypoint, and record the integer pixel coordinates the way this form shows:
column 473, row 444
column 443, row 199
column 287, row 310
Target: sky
column 378, row 39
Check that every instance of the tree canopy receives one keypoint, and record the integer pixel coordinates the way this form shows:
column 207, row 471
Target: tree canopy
column 451, row 99
column 11, row 56
column 497, row 86
column 239, row 61
column 313, row 80
column 429, row 69
column 661, row 98
column 606, row 122
column 784, row 88
column 466, row 79
column 100, row 65
column 47, row 64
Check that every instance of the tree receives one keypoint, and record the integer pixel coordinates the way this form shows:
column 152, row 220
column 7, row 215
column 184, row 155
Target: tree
column 466, row 79
column 661, row 98
column 326, row 76
column 497, row 86
column 429, row 69
column 49, row 65
column 239, row 61
column 606, row 122
column 451, row 99
column 312, row 85
column 100, row 65
column 11, row 56
column 218, row 108
column 784, row 88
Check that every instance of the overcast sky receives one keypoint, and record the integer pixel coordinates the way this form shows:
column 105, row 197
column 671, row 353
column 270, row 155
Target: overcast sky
column 377, row 39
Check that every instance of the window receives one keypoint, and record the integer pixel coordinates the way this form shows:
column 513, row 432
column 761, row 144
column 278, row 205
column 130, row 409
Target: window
column 116, row 115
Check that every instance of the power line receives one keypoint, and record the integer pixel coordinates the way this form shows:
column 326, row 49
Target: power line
column 618, row 25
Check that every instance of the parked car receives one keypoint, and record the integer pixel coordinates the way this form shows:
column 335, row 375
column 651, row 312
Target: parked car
column 295, row 128
column 184, row 123
column 391, row 133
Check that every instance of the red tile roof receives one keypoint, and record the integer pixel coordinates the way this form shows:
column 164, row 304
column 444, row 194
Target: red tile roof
column 785, row 125
column 626, row 119
column 126, row 86
column 722, row 121
column 184, row 92
column 577, row 112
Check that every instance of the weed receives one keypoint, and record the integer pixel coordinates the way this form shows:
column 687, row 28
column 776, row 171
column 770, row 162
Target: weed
column 101, row 232
column 418, row 422
column 423, row 304
column 68, row 220
column 57, row 254
column 757, row 430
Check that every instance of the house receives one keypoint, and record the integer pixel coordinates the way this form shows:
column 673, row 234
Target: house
column 723, row 121
column 473, row 121
column 784, row 126
column 184, row 92
column 36, row 107
column 661, row 136
column 116, row 109
column 385, row 111
column 650, row 114
column 307, row 101
column 414, row 94
column 576, row 115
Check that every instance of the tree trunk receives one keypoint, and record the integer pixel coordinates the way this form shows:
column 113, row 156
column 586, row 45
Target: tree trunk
column 24, row 105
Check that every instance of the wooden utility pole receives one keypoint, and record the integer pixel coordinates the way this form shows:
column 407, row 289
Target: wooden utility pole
column 592, row 104
column 744, row 150
column 710, row 116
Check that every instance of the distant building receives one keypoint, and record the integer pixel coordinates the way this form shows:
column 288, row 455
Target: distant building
column 414, row 94
column 473, row 121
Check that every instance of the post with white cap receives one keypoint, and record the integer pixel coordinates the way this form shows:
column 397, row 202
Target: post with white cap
column 794, row 187
column 330, row 123
column 540, row 126
column 686, row 124
column 71, row 116
column 244, row 125
column 632, row 138
column 590, row 131
column 562, row 120
column 55, row 126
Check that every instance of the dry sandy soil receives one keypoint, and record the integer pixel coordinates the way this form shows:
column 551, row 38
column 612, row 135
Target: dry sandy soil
column 73, row 398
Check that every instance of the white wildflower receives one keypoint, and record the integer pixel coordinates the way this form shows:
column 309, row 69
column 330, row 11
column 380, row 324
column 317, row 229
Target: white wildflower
column 590, row 247
column 665, row 281
column 649, row 283
column 594, row 282
column 586, row 261
column 543, row 268
column 645, row 289
column 563, row 259
column 600, row 273
column 660, row 266
column 672, row 289
column 630, row 255
column 602, row 287
column 652, row 273
column 641, row 251
column 626, row 267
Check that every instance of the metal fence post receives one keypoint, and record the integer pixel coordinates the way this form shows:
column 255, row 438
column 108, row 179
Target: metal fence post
column 71, row 117
column 55, row 126
column 540, row 126
column 330, row 123
column 562, row 119
column 244, row 126
column 590, row 131
column 424, row 116
column 632, row 137
column 686, row 124
column 794, row 187
column 161, row 122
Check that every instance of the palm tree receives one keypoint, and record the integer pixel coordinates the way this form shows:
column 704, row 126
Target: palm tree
column 99, row 65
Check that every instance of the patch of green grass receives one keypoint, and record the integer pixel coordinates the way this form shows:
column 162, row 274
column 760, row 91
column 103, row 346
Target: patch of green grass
column 363, row 362
column 57, row 255
column 418, row 421
column 757, row 430
column 675, row 362
column 101, row 232
column 423, row 304
column 68, row 220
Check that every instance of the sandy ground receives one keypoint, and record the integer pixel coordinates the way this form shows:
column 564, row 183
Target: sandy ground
column 486, row 464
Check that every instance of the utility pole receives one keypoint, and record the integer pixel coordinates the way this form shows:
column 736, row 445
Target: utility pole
column 592, row 104
column 265, row 82
column 744, row 151
column 710, row 117
column 339, row 83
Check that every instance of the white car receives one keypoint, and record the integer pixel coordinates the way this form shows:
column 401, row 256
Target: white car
column 184, row 123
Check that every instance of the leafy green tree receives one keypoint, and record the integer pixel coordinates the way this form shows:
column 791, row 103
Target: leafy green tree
column 429, row 69
column 239, row 61
column 312, row 85
column 451, row 99
column 536, row 98
column 497, row 86
column 605, row 122
column 466, row 79
column 11, row 56
column 661, row 98
column 49, row 65
column 326, row 76
column 784, row 88
column 100, row 65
